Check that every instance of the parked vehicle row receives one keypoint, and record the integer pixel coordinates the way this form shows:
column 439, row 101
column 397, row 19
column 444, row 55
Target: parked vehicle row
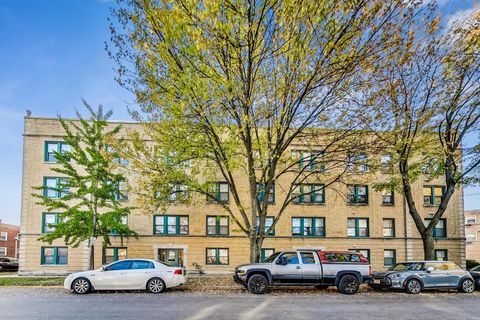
column 8, row 264
column 305, row 267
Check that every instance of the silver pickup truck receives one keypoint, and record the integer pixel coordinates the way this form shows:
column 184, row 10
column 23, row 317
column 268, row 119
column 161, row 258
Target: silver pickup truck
column 345, row 270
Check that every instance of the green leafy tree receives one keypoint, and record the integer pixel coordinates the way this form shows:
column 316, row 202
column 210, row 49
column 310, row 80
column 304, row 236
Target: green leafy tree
column 87, row 198
column 231, row 87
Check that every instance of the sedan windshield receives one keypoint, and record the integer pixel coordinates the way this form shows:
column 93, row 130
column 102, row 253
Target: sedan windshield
column 414, row 266
column 272, row 257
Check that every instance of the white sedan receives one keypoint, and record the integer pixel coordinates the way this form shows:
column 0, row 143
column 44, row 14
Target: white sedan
column 130, row 274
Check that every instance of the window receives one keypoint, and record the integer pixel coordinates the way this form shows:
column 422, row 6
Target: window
column 357, row 194
column 261, row 193
column 178, row 192
column 218, row 256
column 122, row 265
column 268, row 224
column 217, row 226
column 387, row 197
column 54, row 255
column 141, row 265
column 307, row 257
column 357, row 163
column 357, row 227
column 471, row 220
column 364, row 252
column 471, row 237
column 112, row 254
column 441, row 255
column 389, row 228
column 170, row 225
column 49, row 222
column 219, row 191
column 116, row 157
column 432, row 195
column 265, row 253
column 55, row 187
column 292, row 257
column 122, row 193
column 124, row 221
column 309, row 160
column 3, row 251
column 308, row 227
column 3, row 236
column 389, row 257
column 308, row 193
column 386, row 161
column 55, row 146
column 440, row 230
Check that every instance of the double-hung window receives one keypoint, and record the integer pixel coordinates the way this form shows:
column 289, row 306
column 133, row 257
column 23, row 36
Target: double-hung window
column 389, row 257
column 357, row 194
column 388, row 228
column 168, row 225
column 217, row 256
column 308, row 227
column 387, row 198
column 55, row 188
column 357, row 162
column 265, row 253
column 358, row 227
column 441, row 255
column 217, row 226
column 51, row 147
column 54, row 255
column 3, row 251
column 432, row 195
column 178, row 192
column 261, row 193
column 3, row 236
column 308, row 193
column 268, row 224
column 219, row 192
column 49, row 219
column 309, row 160
column 112, row 254
column 440, row 230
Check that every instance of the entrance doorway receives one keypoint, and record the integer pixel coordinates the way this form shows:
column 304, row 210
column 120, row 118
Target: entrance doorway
column 173, row 257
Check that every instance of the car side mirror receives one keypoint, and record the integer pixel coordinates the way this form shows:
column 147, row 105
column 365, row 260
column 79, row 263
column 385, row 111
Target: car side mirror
column 283, row 261
column 430, row 269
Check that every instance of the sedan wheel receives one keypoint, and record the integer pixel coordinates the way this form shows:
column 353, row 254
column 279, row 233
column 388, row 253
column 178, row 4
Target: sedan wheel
column 81, row 286
column 348, row 284
column 155, row 285
column 413, row 286
column 467, row 286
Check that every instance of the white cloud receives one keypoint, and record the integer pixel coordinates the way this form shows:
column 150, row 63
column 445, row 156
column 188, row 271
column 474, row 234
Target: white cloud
column 461, row 17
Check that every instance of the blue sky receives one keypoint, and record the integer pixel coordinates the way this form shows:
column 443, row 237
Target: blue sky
column 51, row 56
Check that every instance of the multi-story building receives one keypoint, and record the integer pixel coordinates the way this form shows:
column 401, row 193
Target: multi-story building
column 472, row 230
column 9, row 240
column 203, row 237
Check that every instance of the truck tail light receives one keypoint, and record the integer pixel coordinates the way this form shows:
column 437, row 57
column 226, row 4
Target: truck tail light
column 370, row 269
column 178, row 271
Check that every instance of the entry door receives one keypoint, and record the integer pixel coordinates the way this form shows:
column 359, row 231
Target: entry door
column 173, row 257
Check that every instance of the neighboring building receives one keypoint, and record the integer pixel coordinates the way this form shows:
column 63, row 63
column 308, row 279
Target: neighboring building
column 9, row 240
column 472, row 230
column 202, row 236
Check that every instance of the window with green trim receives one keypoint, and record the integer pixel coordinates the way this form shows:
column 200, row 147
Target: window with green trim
column 358, row 227
column 178, row 192
column 308, row 193
column 389, row 257
column 265, row 253
column 112, row 254
column 441, row 254
column 49, row 220
column 218, row 192
column 170, row 225
column 308, row 227
column 357, row 194
column 261, row 193
column 51, row 147
column 54, row 255
column 364, row 252
column 357, row 162
column 432, row 195
column 309, row 160
column 388, row 198
column 268, row 224
column 217, row 226
column 54, row 187
column 117, row 159
column 217, row 256
column 440, row 230
column 389, row 228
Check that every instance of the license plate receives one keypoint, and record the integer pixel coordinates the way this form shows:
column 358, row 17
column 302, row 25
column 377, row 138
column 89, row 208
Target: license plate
column 376, row 281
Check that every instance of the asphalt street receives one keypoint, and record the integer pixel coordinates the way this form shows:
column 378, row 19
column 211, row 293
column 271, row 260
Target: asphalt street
column 55, row 303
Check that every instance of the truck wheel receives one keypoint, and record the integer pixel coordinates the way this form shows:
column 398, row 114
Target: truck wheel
column 348, row 284
column 413, row 286
column 467, row 286
column 257, row 284
column 322, row 287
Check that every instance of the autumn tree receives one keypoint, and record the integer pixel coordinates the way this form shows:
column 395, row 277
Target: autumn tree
column 231, row 87
column 87, row 197
column 422, row 100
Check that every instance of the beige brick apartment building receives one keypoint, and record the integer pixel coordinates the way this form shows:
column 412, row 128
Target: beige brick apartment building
column 202, row 237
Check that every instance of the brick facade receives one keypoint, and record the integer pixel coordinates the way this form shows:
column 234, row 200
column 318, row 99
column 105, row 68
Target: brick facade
column 9, row 240
column 192, row 248
column 472, row 235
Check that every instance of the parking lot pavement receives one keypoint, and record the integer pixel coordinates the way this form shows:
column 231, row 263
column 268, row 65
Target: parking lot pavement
column 54, row 303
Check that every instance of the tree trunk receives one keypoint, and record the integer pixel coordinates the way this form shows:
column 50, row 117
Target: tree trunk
column 255, row 249
column 428, row 246
column 92, row 256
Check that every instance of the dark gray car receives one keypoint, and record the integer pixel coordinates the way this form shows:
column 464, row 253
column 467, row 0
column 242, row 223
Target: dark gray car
column 416, row 276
